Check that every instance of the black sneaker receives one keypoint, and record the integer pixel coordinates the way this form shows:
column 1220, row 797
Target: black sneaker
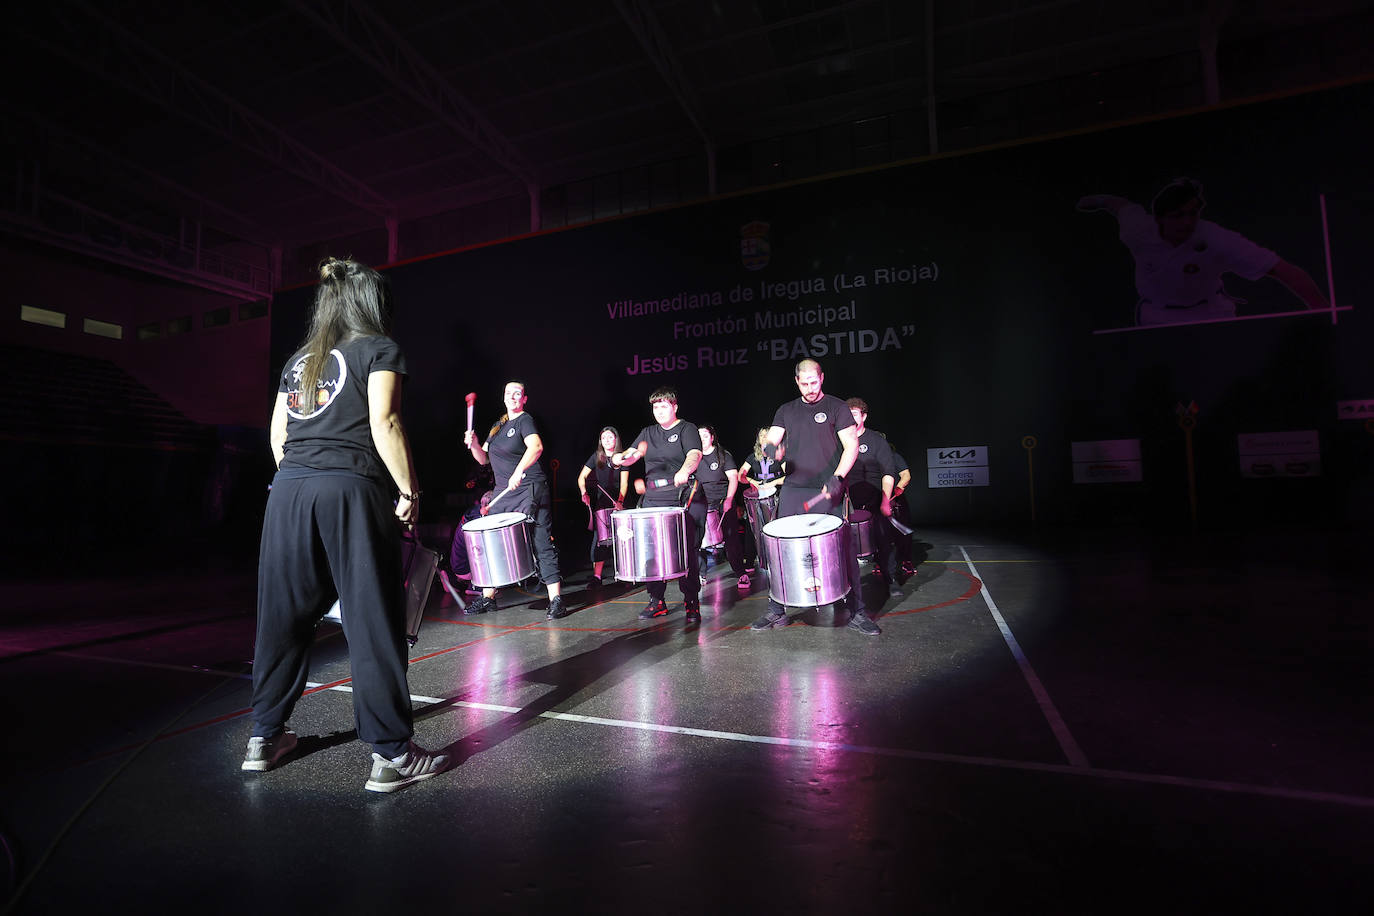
column 480, row 606
column 654, row 609
column 772, row 619
column 864, row 624
column 557, row 609
column 594, row 582
column 693, row 607
column 894, row 590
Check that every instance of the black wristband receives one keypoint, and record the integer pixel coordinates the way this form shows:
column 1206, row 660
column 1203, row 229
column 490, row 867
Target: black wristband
column 413, row 497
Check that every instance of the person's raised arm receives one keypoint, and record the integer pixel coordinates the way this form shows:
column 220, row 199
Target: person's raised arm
column 1299, row 283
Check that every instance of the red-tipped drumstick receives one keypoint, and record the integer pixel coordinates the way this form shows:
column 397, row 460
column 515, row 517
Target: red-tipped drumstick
column 471, row 399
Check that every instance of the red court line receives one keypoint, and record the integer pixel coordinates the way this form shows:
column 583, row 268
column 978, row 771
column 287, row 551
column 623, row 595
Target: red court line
column 973, row 589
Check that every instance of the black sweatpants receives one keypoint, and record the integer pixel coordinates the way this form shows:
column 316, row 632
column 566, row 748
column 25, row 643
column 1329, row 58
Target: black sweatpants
column 694, row 521
column 325, row 536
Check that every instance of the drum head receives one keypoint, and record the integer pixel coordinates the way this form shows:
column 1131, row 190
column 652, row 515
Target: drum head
column 767, row 490
column 500, row 520
column 802, row 526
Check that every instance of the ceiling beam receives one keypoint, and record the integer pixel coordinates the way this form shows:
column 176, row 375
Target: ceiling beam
column 116, row 56
column 370, row 38
column 646, row 28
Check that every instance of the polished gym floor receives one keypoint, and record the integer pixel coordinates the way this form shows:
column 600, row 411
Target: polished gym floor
column 1060, row 722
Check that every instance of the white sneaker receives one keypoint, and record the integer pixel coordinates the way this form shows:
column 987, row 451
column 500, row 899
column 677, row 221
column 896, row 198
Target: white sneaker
column 265, row 753
column 398, row 772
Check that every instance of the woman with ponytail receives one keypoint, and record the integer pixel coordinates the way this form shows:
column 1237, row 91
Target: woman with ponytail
column 332, row 528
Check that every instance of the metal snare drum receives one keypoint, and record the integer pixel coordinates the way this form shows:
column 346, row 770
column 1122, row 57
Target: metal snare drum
column 650, row 543
column 603, row 526
column 500, row 549
column 762, row 508
column 806, row 560
column 861, row 532
column 714, row 533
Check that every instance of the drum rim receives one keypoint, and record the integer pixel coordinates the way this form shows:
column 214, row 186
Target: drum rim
column 816, row 530
column 487, row 522
column 645, row 511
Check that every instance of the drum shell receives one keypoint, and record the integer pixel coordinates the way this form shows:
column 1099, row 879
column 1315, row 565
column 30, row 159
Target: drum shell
column 650, row 543
column 714, row 533
column 602, row 526
column 807, row 570
column 762, row 510
column 861, row 532
column 500, row 556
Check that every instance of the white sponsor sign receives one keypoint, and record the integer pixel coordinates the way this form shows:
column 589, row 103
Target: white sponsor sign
column 957, row 456
column 957, row 466
column 1354, row 410
column 1107, row 461
column 944, row 478
column 1291, row 454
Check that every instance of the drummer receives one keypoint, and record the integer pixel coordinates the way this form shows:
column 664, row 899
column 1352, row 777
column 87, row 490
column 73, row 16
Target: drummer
column 514, row 448
column 816, row 434
column 762, row 476
column 719, row 478
column 870, row 488
column 598, row 480
column 671, row 449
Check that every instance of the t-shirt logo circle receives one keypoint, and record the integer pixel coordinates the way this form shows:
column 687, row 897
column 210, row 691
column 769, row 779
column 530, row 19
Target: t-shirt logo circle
column 715, row 465
column 820, row 417
column 333, row 374
column 864, row 449
column 673, row 437
column 510, row 432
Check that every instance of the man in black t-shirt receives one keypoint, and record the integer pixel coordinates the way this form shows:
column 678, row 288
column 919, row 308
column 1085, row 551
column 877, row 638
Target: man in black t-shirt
column 870, row 489
column 671, row 449
column 816, row 434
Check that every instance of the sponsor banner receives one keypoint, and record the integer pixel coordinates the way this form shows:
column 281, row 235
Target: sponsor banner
column 1354, row 410
column 1280, row 466
column 1106, row 450
column 957, row 456
column 945, row 477
column 1107, row 461
column 1291, row 454
column 1298, row 442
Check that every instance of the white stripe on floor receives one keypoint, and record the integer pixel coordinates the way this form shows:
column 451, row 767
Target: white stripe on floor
column 1069, row 746
column 1211, row 785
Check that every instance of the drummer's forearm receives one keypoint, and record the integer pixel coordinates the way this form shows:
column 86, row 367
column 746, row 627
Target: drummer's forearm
column 887, row 486
column 624, row 484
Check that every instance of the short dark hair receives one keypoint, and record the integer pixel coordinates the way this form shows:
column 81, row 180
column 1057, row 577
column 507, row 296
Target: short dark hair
column 664, row 393
column 1175, row 194
column 857, row 402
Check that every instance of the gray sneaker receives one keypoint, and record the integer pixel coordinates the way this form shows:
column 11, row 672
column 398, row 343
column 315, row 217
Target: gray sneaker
column 266, row 753
column 771, row 619
column 412, row 766
column 863, row 624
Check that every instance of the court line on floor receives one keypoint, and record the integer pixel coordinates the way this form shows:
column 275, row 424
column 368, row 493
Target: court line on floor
column 1070, row 747
column 1186, row 782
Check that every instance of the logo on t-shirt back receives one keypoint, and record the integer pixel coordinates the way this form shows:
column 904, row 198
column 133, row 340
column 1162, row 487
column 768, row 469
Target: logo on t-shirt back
column 333, row 374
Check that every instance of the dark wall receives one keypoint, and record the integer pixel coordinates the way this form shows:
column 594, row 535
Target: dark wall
column 992, row 340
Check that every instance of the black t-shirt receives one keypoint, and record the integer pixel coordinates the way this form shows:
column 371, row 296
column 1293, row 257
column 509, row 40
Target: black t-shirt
column 899, row 464
column 875, row 460
column 506, row 447
column 711, row 474
column 668, row 448
column 812, row 440
column 607, row 477
column 337, row 436
column 765, row 469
